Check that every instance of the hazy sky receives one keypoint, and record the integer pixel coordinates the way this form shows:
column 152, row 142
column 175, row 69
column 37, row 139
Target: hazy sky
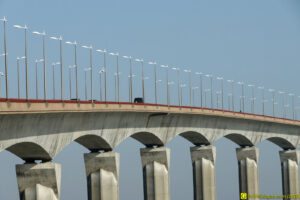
column 255, row 41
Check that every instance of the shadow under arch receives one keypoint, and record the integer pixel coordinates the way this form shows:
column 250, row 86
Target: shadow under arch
column 281, row 142
column 148, row 139
column 29, row 151
column 239, row 139
column 195, row 138
column 94, row 143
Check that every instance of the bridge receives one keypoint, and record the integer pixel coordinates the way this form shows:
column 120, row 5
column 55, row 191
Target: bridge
column 36, row 129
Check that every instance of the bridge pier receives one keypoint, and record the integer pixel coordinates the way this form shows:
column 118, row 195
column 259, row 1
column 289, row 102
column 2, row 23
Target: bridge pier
column 102, row 171
column 289, row 168
column 155, row 163
column 39, row 181
column 248, row 170
column 203, row 160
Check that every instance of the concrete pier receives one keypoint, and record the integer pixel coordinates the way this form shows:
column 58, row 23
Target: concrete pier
column 39, row 181
column 155, row 163
column 203, row 160
column 289, row 168
column 248, row 170
column 102, row 171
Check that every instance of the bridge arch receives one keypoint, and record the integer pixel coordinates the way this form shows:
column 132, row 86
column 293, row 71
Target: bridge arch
column 93, row 142
column 147, row 138
column 281, row 142
column 195, row 137
column 29, row 151
column 239, row 139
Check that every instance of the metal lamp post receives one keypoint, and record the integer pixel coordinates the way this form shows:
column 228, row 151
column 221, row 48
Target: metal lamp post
column 143, row 78
column 61, row 65
column 217, row 94
column 205, row 97
column 283, row 103
column 26, row 58
column 53, row 78
column 1, row 74
column 242, row 98
column 201, row 87
column 263, row 99
column 155, row 79
column 85, row 84
column 252, row 99
column 43, row 34
column 190, row 84
column 105, row 72
column 117, row 74
column 273, row 101
column 222, row 90
column 193, row 94
column 167, row 81
column 232, row 93
column 178, row 83
column 18, row 73
column 168, row 92
column 211, row 89
column 100, row 81
column 181, row 87
column 293, row 104
column 36, row 78
column 91, row 70
column 130, row 92
column 75, row 63
column 5, row 57
column 130, row 78
column 229, row 97
column 70, row 79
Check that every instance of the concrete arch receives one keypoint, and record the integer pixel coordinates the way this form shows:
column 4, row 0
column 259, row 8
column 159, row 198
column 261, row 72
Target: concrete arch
column 281, row 142
column 239, row 139
column 148, row 139
column 93, row 143
column 29, row 151
column 195, row 137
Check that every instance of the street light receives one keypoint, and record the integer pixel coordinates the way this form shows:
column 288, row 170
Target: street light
column 201, row 87
column 91, row 70
column 178, row 83
column 143, row 80
column 242, row 98
column 273, row 100
column 252, row 99
column 217, row 94
column 283, row 103
column 70, row 80
column 1, row 74
column 53, row 78
column 105, row 72
column 190, row 84
column 18, row 73
column 155, row 79
column 5, row 52
column 26, row 58
column 205, row 97
column 168, row 93
column 222, row 90
column 293, row 104
column 232, row 92
column 61, row 65
column 211, row 89
column 118, row 75
column 100, row 81
column 43, row 34
column 75, row 63
column 167, row 81
column 263, row 98
column 130, row 78
column 130, row 92
column 85, row 85
column 181, row 86
column 229, row 97
column 36, row 77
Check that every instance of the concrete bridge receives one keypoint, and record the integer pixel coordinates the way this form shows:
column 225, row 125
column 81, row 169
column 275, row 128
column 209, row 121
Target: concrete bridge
column 37, row 131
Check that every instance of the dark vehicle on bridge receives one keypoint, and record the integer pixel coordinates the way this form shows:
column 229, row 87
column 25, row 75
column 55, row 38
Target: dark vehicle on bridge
column 138, row 100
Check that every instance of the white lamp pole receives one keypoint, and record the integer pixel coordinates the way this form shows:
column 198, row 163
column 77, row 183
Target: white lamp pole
column 91, row 68
column 26, row 58
column 232, row 93
column 61, row 65
column 36, row 77
column 70, row 80
column 5, row 52
column 190, row 84
column 105, row 72
column 168, row 93
column 85, row 84
column 53, row 78
column 283, row 103
column 181, row 87
column 100, row 81
column 222, row 90
column 18, row 73
column 263, row 99
column 143, row 78
column 75, row 63
column 1, row 74
column 273, row 101
column 252, row 99
column 167, row 81
column 155, row 79
column 193, row 95
column 130, row 78
column 117, row 74
column 211, row 90
column 178, row 83
column 201, row 87
column 293, row 104
column 242, row 99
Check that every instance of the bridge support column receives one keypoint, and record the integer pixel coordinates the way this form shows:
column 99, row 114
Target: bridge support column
column 155, row 163
column 39, row 181
column 203, row 160
column 248, row 170
column 102, row 171
column 289, row 168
